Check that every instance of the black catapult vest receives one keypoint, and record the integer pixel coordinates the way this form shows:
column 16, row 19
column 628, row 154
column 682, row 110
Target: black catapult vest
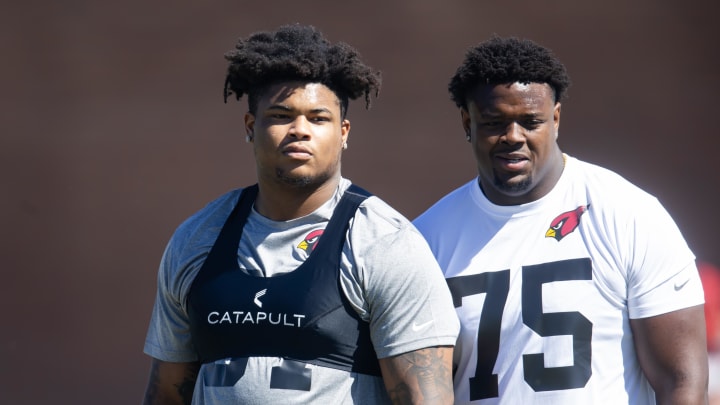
column 302, row 315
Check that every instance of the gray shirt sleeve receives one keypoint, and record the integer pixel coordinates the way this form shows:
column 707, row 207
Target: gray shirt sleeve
column 394, row 282
column 168, row 337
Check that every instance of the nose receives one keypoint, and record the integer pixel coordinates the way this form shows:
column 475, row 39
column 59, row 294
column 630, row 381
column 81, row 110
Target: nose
column 514, row 133
column 300, row 127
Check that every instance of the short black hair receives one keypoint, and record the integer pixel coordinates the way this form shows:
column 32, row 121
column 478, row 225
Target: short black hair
column 297, row 52
column 508, row 60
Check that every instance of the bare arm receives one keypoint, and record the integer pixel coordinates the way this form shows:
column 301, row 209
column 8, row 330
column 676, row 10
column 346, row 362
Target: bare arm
column 171, row 383
column 672, row 352
column 420, row 377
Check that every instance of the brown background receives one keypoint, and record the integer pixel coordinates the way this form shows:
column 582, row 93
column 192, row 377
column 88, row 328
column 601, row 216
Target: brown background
column 113, row 131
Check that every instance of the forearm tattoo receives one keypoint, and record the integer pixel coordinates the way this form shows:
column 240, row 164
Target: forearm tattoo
column 182, row 391
column 428, row 370
column 152, row 390
column 186, row 388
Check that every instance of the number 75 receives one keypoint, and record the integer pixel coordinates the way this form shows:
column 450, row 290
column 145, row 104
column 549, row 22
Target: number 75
column 496, row 286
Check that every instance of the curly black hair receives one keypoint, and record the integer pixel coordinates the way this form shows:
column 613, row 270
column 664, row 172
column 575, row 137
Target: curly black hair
column 508, row 60
column 297, row 52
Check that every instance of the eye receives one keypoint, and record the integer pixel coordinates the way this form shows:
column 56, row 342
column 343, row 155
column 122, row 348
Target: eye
column 532, row 124
column 320, row 119
column 492, row 124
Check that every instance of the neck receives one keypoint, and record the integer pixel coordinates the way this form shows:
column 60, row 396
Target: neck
column 281, row 202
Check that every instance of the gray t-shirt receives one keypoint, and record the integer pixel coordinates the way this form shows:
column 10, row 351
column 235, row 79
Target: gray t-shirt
column 388, row 274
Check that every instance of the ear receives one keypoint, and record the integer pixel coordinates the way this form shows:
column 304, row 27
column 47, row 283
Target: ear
column 250, row 125
column 465, row 118
column 344, row 130
column 556, row 118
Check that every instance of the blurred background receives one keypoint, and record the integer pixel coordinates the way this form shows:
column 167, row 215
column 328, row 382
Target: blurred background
column 113, row 131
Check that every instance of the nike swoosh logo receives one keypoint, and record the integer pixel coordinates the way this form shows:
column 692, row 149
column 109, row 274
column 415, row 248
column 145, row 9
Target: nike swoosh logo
column 679, row 286
column 418, row 328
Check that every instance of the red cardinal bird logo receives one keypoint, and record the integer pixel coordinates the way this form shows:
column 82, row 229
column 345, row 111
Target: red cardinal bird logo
column 565, row 223
column 310, row 242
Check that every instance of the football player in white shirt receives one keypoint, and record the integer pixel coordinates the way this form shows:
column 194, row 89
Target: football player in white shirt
column 573, row 286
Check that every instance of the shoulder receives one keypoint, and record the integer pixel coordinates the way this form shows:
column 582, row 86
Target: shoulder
column 605, row 190
column 456, row 196
column 614, row 203
column 631, row 221
column 375, row 219
column 447, row 207
column 207, row 220
column 599, row 178
column 192, row 240
column 373, row 213
column 377, row 223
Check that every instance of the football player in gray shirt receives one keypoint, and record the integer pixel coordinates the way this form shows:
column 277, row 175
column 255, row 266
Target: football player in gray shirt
column 303, row 288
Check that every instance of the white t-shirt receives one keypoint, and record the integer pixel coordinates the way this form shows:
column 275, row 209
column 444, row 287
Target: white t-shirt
column 388, row 274
column 545, row 290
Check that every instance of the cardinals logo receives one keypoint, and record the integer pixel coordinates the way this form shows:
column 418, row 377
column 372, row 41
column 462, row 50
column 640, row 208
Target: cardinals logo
column 565, row 223
column 310, row 242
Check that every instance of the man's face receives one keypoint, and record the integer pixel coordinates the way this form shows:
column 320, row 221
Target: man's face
column 297, row 134
column 513, row 131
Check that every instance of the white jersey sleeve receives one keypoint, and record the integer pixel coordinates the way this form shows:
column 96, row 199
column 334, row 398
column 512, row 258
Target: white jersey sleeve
column 660, row 264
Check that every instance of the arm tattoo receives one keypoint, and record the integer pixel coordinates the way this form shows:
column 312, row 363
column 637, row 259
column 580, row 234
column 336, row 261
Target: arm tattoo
column 187, row 386
column 151, row 392
column 183, row 389
column 426, row 368
column 401, row 395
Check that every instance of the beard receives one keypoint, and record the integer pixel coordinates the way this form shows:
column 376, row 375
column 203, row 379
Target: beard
column 512, row 188
column 302, row 181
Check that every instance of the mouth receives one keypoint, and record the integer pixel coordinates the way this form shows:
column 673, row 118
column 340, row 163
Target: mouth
column 296, row 151
column 511, row 161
